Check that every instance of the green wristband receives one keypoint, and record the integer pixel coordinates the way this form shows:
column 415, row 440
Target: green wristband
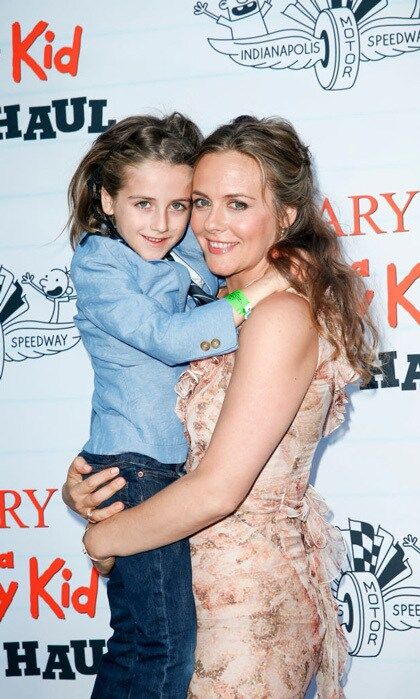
column 240, row 303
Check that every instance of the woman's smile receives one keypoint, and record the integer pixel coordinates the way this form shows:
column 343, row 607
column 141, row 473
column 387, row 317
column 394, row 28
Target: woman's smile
column 216, row 247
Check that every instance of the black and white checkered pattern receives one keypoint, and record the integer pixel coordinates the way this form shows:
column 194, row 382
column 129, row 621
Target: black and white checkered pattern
column 365, row 546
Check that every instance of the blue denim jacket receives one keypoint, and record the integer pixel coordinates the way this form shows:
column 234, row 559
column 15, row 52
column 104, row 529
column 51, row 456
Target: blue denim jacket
column 141, row 330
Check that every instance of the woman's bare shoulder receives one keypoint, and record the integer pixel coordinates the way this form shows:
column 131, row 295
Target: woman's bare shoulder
column 283, row 307
column 280, row 326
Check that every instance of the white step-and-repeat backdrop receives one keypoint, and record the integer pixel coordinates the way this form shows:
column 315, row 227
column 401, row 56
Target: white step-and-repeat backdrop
column 347, row 75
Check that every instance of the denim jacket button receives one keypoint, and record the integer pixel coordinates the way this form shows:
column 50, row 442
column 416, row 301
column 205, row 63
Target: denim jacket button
column 140, row 474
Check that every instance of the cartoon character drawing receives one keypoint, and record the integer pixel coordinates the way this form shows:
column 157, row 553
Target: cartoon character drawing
column 244, row 18
column 55, row 287
column 23, row 338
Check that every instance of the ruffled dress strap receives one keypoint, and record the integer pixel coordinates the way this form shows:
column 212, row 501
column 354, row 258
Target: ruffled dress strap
column 186, row 386
column 199, row 374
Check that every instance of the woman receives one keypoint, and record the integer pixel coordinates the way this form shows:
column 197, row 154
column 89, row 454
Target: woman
column 262, row 553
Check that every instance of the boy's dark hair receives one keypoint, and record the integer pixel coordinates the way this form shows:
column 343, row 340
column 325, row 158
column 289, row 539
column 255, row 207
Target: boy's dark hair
column 174, row 139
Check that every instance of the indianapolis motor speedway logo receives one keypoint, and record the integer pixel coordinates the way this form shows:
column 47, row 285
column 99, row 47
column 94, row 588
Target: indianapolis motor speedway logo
column 21, row 337
column 373, row 595
column 331, row 36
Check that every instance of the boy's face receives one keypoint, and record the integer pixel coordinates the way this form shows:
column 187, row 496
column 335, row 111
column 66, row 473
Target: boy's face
column 152, row 209
column 237, row 9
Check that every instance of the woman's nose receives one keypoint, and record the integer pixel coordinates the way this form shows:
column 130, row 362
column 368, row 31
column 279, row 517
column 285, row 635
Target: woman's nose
column 215, row 220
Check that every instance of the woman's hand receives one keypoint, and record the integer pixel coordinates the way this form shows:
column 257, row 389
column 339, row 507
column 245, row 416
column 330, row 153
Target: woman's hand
column 103, row 566
column 84, row 495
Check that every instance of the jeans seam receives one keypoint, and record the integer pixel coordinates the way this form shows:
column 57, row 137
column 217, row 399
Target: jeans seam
column 132, row 657
column 163, row 682
column 168, row 639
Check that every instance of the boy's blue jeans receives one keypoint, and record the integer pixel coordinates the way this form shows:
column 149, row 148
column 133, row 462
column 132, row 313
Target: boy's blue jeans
column 151, row 652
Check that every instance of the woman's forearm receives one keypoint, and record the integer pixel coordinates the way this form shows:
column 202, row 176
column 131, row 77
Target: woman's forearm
column 176, row 512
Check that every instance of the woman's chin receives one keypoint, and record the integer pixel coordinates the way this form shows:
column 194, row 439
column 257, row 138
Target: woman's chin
column 219, row 266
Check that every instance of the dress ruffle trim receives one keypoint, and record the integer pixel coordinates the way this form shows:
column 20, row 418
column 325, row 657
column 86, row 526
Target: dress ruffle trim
column 198, row 372
column 342, row 375
column 320, row 534
column 327, row 555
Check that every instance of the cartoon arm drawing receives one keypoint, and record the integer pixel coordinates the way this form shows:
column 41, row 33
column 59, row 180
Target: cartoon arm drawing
column 411, row 542
column 200, row 8
column 236, row 12
column 29, row 279
column 266, row 7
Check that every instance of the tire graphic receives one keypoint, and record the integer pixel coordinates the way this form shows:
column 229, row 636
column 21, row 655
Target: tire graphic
column 362, row 613
column 338, row 29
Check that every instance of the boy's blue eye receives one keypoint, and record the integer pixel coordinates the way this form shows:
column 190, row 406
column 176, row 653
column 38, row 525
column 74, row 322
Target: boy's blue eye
column 143, row 204
column 178, row 206
column 200, row 203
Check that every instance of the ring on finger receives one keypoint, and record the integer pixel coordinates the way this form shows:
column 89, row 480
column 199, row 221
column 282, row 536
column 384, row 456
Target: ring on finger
column 89, row 513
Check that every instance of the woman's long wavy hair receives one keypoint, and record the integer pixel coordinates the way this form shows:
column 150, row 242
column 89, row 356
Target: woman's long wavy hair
column 335, row 292
column 174, row 139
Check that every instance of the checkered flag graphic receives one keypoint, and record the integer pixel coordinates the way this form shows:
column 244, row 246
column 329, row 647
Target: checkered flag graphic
column 365, row 546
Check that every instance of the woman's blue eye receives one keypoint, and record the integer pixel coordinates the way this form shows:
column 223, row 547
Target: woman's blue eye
column 239, row 205
column 143, row 204
column 200, row 203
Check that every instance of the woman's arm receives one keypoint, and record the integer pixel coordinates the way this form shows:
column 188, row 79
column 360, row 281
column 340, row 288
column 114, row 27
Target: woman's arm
column 274, row 366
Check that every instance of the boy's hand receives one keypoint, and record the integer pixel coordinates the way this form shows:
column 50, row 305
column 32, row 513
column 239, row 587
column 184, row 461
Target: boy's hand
column 84, row 495
column 266, row 285
column 273, row 281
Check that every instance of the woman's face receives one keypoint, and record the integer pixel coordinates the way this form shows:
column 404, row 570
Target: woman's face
column 152, row 208
column 233, row 218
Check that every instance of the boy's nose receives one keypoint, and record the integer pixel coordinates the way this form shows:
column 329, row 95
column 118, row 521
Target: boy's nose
column 160, row 222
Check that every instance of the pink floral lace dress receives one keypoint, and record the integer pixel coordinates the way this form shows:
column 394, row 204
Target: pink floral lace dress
column 267, row 621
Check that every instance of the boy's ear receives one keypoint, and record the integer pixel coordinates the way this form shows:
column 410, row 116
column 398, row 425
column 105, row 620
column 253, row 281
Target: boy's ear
column 107, row 202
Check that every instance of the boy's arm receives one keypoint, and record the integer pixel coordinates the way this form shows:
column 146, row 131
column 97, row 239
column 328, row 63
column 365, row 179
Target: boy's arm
column 109, row 299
